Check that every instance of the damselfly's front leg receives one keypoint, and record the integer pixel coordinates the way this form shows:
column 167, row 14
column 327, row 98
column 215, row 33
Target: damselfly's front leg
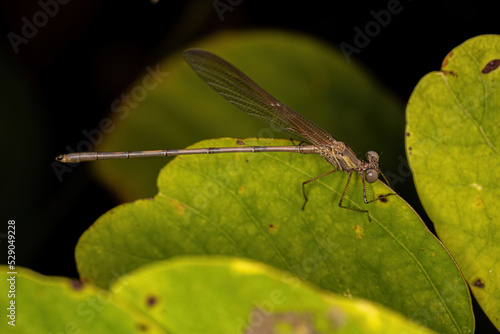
column 313, row 179
column 364, row 196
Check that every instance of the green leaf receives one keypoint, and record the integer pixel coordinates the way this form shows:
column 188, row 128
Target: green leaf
column 41, row 304
column 453, row 148
column 180, row 109
column 249, row 205
column 221, row 295
column 189, row 295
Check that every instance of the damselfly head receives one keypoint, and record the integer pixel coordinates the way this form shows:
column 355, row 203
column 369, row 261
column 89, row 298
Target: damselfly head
column 372, row 156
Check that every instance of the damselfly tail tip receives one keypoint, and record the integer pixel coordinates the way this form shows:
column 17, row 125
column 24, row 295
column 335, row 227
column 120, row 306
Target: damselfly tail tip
column 61, row 158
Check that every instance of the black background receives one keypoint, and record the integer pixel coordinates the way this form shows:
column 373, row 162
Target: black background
column 90, row 51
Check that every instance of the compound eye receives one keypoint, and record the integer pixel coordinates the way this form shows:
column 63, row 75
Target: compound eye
column 371, row 175
column 372, row 156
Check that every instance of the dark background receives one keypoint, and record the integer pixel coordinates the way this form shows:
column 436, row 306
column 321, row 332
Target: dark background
column 90, row 51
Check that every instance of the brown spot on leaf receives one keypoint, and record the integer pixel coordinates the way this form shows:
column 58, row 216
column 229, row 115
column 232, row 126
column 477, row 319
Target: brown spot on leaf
column 179, row 207
column 240, row 142
column 407, row 134
column 142, row 327
column 491, row 66
column 76, row 284
column 479, row 283
column 359, row 231
column 151, row 301
column 446, row 59
column 453, row 74
column 272, row 229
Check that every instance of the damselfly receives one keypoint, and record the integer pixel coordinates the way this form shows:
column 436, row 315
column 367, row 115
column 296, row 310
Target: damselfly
column 245, row 94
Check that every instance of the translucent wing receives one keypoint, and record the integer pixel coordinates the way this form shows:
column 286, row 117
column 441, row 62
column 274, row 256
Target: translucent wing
column 245, row 94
